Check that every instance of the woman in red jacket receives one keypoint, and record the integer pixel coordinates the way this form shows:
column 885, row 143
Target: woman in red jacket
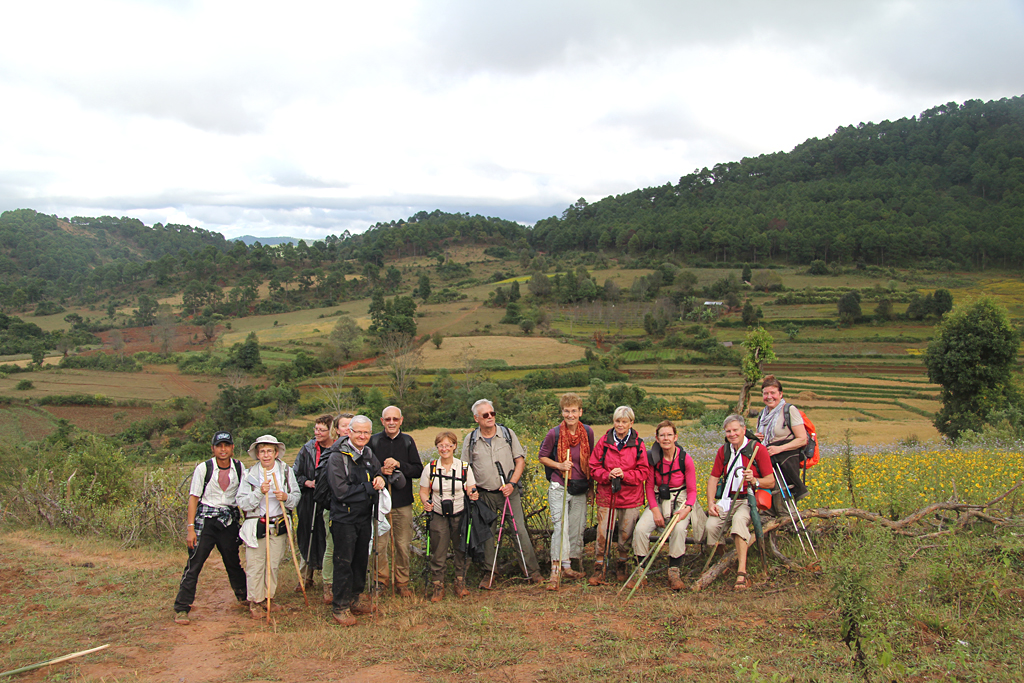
column 619, row 466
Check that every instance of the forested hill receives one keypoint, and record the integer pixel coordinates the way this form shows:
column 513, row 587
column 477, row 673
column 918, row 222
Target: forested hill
column 947, row 185
column 40, row 246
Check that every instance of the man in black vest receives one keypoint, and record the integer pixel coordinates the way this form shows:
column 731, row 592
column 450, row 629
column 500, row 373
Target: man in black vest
column 397, row 452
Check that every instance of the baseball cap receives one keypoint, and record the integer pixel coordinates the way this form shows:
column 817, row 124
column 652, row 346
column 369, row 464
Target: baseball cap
column 223, row 437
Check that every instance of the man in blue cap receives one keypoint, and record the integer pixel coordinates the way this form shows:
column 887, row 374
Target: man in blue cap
column 212, row 521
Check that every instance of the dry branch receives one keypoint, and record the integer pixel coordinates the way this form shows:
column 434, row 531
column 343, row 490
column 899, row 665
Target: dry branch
column 914, row 525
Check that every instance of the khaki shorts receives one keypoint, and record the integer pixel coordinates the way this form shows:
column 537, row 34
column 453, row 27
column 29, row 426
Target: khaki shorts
column 740, row 525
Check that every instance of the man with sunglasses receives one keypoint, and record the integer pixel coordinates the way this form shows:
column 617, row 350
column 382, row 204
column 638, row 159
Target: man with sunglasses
column 484, row 449
column 397, row 451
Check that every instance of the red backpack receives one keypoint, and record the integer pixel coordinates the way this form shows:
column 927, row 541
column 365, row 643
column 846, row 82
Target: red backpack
column 809, row 454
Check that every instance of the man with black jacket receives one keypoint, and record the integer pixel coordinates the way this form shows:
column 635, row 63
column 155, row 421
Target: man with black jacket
column 354, row 475
column 397, row 452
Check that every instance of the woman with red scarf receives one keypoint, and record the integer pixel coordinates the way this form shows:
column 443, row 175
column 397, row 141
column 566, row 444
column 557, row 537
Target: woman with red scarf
column 565, row 454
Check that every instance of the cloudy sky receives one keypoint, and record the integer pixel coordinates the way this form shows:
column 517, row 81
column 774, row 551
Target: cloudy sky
column 309, row 118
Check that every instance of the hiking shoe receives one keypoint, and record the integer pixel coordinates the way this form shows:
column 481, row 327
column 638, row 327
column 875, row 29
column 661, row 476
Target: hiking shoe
column 181, row 618
column 299, row 588
column 597, row 578
column 536, row 578
column 675, row 582
column 486, row 585
column 344, row 619
column 553, row 580
column 258, row 610
column 620, row 572
column 361, row 606
column 632, row 582
column 328, row 593
column 437, row 592
column 460, row 588
column 572, row 575
column 403, row 590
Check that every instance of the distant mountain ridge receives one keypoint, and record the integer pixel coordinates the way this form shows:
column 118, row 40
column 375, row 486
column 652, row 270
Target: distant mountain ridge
column 249, row 240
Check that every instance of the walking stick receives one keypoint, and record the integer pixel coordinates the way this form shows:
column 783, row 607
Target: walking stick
column 266, row 542
column 291, row 544
column 789, row 509
column 391, row 539
column 497, row 545
column 374, row 566
column 309, row 550
column 515, row 527
column 799, row 517
column 725, row 523
column 650, row 559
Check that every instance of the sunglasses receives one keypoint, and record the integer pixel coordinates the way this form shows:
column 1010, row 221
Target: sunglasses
column 486, row 415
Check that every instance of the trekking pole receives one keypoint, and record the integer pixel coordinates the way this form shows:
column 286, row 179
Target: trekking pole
column 374, row 566
column 515, row 527
column 391, row 540
column 309, row 549
column 497, row 546
column 609, row 529
column 650, row 560
column 799, row 517
column 291, row 544
column 266, row 542
column 789, row 510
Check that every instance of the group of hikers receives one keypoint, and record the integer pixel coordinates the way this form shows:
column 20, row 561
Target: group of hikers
column 353, row 494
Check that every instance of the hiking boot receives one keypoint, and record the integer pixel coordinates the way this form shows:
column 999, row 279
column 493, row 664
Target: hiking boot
column 362, row 606
column 487, row 585
column 620, row 573
column 300, row 588
column 597, row 578
column 572, row 575
column 181, row 618
column 675, row 582
column 460, row 588
column 403, row 590
column 553, row 580
column 437, row 592
column 632, row 582
column 344, row 619
column 258, row 610
column 328, row 593
column 536, row 578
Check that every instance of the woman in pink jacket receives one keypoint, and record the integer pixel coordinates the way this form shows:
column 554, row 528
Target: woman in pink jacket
column 619, row 466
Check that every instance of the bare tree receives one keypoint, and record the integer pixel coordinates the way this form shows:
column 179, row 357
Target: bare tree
column 165, row 328
column 331, row 388
column 235, row 377
column 117, row 342
column 469, row 367
column 402, row 356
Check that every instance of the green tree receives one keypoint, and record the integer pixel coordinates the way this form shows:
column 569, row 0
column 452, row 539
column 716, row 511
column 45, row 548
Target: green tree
column 942, row 302
column 849, row 307
column 883, row 311
column 513, row 292
column 423, row 288
column 513, row 314
column 749, row 314
column 747, row 274
column 145, row 314
column 437, row 338
column 246, row 355
column 527, row 325
column 971, row 357
column 757, row 350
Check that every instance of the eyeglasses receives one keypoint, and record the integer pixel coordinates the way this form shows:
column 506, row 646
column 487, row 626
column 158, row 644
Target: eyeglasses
column 486, row 415
column 392, row 419
column 360, row 433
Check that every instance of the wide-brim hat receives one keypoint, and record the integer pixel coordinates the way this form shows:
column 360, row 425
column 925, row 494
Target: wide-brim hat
column 267, row 438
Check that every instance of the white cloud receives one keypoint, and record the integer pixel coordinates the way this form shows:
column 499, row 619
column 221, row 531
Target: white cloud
column 314, row 117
